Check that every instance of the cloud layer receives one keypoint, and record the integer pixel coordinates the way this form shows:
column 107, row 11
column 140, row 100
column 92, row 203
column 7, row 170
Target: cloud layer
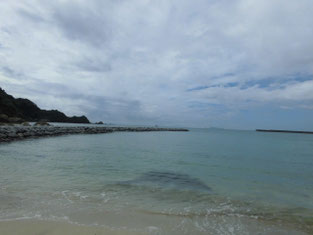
column 192, row 63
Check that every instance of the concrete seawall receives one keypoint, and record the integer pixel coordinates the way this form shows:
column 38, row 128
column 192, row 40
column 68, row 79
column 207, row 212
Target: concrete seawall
column 11, row 133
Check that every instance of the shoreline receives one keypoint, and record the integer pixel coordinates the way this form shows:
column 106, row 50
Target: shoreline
column 13, row 133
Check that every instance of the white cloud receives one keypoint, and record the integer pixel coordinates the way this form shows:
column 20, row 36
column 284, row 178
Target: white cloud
column 141, row 57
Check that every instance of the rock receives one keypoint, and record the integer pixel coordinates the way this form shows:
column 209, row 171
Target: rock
column 12, row 135
column 2, row 135
column 40, row 123
column 99, row 123
column 6, row 124
column 20, row 135
column 15, row 120
column 4, row 118
column 26, row 124
column 169, row 179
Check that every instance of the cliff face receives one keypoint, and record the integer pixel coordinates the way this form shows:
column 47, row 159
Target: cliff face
column 29, row 111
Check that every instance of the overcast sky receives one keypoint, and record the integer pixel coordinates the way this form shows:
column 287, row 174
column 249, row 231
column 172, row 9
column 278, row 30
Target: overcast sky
column 227, row 63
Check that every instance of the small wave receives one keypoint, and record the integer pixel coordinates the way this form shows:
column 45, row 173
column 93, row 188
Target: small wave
column 29, row 217
column 72, row 196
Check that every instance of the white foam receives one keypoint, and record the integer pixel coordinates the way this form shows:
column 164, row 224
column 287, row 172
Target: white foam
column 36, row 216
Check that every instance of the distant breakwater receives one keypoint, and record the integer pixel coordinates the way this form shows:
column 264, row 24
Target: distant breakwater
column 285, row 131
column 11, row 133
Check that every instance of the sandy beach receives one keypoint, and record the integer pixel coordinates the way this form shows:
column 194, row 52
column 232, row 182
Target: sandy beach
column 35, row 227
column 39, row 227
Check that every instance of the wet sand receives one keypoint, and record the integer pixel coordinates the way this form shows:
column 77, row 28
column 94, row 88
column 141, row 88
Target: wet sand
column 34, row 227
column 39, row 227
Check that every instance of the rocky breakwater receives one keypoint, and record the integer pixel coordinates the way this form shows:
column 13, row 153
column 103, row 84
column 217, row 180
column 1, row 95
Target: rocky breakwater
column 11, row 133
column 142, row 129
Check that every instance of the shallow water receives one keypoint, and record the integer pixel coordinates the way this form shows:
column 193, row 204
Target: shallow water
column 205, row 181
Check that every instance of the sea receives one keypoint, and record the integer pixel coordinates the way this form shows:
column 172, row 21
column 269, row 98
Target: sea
column 205, row 181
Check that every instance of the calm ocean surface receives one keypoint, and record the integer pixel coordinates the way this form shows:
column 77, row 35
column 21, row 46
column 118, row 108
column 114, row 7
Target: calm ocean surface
column 205, row 181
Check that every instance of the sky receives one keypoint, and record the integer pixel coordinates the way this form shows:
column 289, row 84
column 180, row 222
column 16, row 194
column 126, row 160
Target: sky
column 240, row 64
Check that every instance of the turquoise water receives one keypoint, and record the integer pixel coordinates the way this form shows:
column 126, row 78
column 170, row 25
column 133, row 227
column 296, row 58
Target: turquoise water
column 205, row 181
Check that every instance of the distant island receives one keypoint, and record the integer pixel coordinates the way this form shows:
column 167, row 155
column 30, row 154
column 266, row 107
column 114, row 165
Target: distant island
column 19, row 110
column 285, row 131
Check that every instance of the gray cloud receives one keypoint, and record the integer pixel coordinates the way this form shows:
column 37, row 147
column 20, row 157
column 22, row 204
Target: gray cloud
column 93, row 65
column 83, row 23
column 13, row 74
column 30, row 16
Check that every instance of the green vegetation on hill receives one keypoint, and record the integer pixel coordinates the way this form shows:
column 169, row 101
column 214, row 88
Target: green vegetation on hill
column 29, row 111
